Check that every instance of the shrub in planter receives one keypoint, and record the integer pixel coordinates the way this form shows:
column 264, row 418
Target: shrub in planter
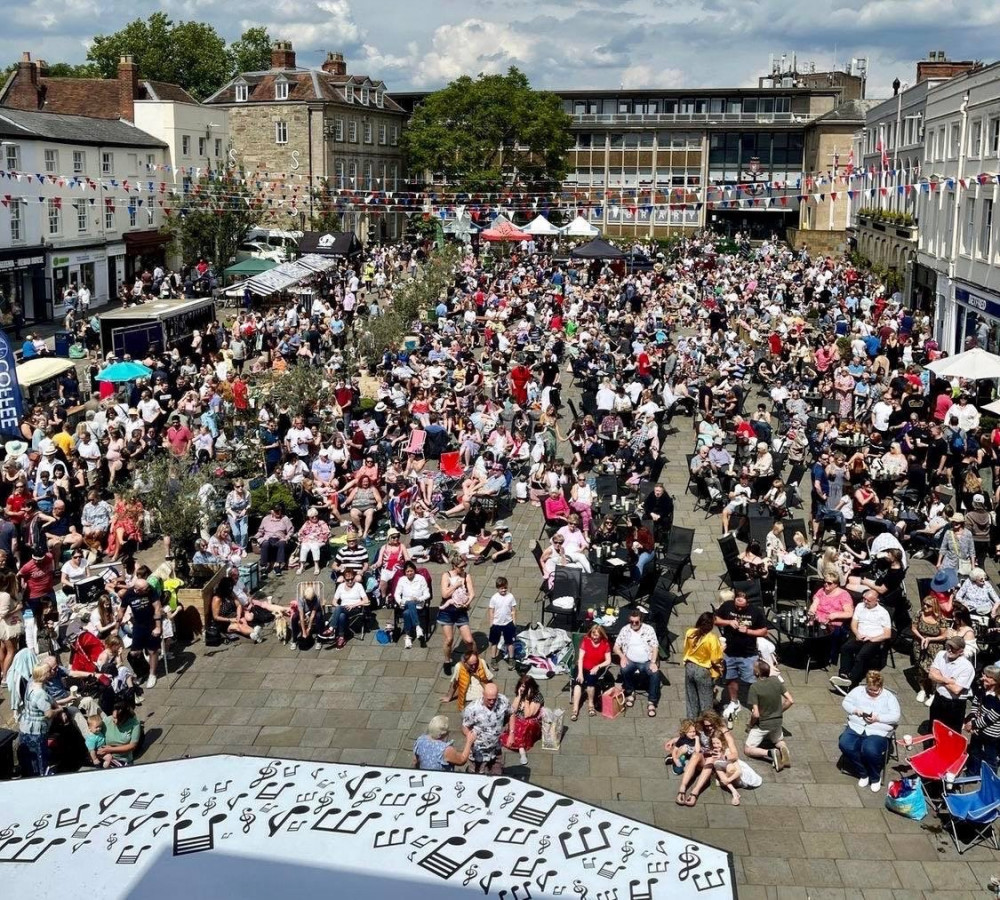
column 267, row 495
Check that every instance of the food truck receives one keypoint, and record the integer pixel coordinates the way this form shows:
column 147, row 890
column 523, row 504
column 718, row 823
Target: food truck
column 155, row 326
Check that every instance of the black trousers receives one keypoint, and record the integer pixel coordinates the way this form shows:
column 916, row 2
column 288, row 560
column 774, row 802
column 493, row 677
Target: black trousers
column 858, row 657
column 948, row 711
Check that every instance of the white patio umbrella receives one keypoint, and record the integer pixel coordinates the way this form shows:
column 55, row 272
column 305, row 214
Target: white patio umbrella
column 541, row 227
column 580, row 227
column 974, row 365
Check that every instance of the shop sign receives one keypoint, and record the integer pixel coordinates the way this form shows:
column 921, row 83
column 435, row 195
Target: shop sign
column 974, row 301
column 21, row 262
column 76, row 259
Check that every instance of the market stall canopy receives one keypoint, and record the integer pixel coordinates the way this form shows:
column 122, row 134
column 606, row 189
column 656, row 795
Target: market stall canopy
column 256, row 828
column 540, row 226
column 330, row 243
column 504, row 231
column 124, row 371
column 252, row 266
column 597, row 249
column 41, row 368
column 580, row 227
column 974, row 364
column 283, row 276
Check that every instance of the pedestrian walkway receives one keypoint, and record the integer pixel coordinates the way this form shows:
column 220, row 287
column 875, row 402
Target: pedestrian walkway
column 808, row 831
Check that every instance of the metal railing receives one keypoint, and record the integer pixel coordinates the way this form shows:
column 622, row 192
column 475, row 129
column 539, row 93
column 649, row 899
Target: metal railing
column 707, row 118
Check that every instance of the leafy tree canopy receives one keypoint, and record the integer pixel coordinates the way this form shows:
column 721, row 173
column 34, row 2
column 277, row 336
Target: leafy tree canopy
column 252, row 52
column 191, row 54
column 490, row 132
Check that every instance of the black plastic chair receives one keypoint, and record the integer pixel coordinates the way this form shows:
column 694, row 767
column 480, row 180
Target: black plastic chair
column 677, row 555
column 566, row 583
column 593, row 590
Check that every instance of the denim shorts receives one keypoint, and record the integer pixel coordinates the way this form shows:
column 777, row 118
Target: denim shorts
column 453, row 616
column 740, row 668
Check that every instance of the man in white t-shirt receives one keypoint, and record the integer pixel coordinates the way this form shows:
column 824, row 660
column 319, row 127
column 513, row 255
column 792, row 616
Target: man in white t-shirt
column 952, row 675
column 638, row 652
column 83, row 298
column 298, row 438
column 881, row 412
column 871, row 631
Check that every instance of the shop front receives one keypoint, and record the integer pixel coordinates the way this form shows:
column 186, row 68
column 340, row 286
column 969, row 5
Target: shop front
column 144, row 250
column 976, row 319
column 116, row 270
column 88, row 265
column 22, row 281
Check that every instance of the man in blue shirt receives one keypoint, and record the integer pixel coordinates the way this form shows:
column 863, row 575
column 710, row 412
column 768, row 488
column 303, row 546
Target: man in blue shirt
column 820, row 490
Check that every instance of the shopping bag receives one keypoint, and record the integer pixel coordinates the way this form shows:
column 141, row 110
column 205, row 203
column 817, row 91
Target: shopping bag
column 905, row 798
column 613, row 702
column 552, row 726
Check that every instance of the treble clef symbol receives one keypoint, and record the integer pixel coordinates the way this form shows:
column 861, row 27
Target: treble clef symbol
column 432, row 797
column 627, row 851
column 112, row 840
column 507, row 800
column 209, row 804
column 580, row 888
column 185, row 794
column 690, row 859
column 573, row 819
column 8, row 831
column 39, row 825
column 267, row 772
column 247, row 818
column 470, row 874
column 325, row 800
column 459, row 789
column 543, row 844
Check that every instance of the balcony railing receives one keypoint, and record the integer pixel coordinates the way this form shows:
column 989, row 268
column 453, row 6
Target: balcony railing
column 685, row 118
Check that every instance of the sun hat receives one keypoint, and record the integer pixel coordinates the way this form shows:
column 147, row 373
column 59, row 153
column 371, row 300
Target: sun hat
column 944, row 580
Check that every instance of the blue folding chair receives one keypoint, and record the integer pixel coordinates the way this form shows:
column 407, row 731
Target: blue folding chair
column 975, row 811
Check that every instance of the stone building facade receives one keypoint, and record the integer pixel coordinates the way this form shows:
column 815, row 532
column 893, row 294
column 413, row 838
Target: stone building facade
column 317, row 131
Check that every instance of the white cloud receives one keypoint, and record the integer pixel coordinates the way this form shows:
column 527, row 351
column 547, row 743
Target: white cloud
column 471, row 47
column 643, row 75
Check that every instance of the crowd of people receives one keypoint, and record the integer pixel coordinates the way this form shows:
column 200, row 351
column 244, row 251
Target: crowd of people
column 549, row 386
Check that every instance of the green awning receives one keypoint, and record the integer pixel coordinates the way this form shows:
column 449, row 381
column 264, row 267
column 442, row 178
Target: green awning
column 252, row 266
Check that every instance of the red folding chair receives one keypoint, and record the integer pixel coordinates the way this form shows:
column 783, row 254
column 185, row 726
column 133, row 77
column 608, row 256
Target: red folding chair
column 946, row 758
column 451, row 465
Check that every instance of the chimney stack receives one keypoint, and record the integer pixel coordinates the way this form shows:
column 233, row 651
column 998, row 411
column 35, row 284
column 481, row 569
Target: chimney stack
column 128, row 88
column 282, row 55
column 25, row 92
column 335, row 64
column 937, row 65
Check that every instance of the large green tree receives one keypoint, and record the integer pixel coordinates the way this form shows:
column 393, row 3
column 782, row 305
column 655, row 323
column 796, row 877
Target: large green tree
column 252, row 52
column 490, row 132
column 211, row 218
column 191, row 54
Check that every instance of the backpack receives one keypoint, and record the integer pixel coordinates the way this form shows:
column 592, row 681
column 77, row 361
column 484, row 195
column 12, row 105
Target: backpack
column 958, row 442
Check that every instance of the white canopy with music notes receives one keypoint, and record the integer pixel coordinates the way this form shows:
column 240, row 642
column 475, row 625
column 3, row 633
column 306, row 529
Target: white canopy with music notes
column 247, row 827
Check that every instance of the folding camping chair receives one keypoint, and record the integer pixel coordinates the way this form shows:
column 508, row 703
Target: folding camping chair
column 976, row 811
column 946, row 757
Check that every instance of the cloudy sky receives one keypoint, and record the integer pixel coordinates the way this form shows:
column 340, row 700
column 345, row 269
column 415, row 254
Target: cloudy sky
column 559, row 43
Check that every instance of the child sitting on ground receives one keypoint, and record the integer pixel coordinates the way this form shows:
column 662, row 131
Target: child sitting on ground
column 680, row 747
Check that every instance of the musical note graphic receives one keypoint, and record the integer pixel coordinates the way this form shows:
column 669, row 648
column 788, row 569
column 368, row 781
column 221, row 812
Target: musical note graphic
column 196, row 843
column 232, row 801
column 22, row 856
column 221, row 788
column 580, row 888
column 543, row 880
column 271, row 790
column 627, row 851
column 209, row 806
column 183, row 812
column 487, row 791
column 158, row 829
column 41, row 824
column 507, row 835
column 290, row 771
column 314, row 774
column 64, row 819
column 559, row 890
column 712, row 881
column 325, row 800
column 431, row 798
column 470, row 825
column 507, row 800
column 342, row 826
column 366, row 797
column 268, row 771
column 657, row 867
column 609, row 870
column 111, row 799
column 661, row 847
column 535, row 815
column 185, row 794
column 247, row 818
column 583, row 836
column 278, row 819
column 459, row 788
column 470, row 875
column 141, row 801
column 417, row 781
column 526, row 887
column 573, row 819
column 611, row 894
column 487, row 880
column 355, row 784
column 691, row 861
column 590, row 862
column 125, row 858
column 400, row 799
column 439, row 863
column 393, row 838
column 627, row 831
column 646, row 894
column 543, row 843
column 112, row 840
column 522, row 869
column 139, row 821
column 81, row 844
column 440, row 819
column 306, row 796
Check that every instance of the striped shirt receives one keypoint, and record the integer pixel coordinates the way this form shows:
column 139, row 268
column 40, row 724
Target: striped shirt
column 32, row 719
column 352, row 558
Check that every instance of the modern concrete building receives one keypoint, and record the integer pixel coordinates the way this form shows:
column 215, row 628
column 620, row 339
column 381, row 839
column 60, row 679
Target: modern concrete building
column 320, row 129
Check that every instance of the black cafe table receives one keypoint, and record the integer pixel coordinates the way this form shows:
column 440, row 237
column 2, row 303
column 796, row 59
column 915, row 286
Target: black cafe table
column 814, row 640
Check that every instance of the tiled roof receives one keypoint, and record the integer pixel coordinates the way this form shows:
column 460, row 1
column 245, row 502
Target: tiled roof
column 162, row 90
column 303, row 84
column 17, row 123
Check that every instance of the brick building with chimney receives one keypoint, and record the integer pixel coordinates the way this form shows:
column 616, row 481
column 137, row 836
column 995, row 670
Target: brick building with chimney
column 325, row 125
column 192, row 136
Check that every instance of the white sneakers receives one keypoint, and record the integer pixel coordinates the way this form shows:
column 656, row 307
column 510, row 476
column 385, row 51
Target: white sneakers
column 151, row 681
column 420, row 632
column 874, row 786
column 408, row 642
column 863, row 782
column 524, row 756
column 921, row 695
column 255, row 634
